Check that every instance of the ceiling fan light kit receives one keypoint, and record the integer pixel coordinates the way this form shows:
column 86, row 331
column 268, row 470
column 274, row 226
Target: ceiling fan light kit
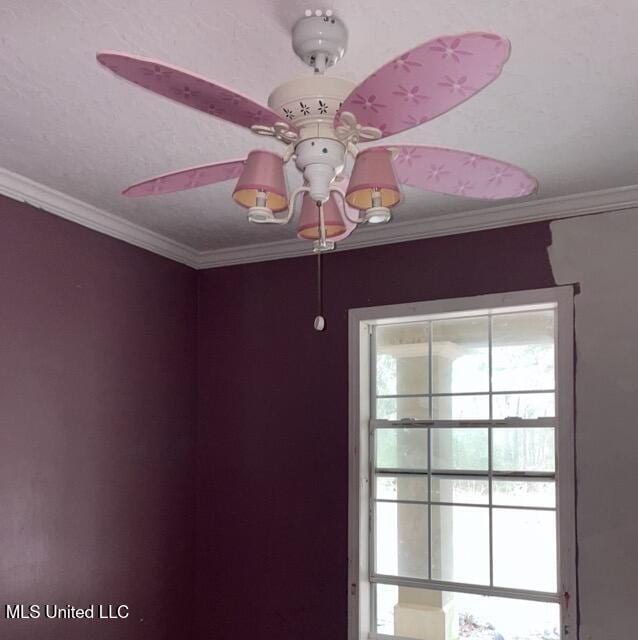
column 373, row 187
column 322, row 120
column 309, row 224
column 261, row 187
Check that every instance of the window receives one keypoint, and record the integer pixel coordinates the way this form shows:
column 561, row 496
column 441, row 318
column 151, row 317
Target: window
column 461, row 488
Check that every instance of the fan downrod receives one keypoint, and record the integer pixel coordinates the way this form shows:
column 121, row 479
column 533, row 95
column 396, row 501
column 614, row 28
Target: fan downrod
column 319, row 39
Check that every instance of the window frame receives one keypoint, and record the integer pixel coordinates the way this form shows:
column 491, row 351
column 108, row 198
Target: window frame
column 361, row 392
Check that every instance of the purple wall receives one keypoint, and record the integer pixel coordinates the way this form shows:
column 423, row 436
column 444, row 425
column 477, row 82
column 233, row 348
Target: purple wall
column 97, row 380
column 104, row 497
column 273, row 419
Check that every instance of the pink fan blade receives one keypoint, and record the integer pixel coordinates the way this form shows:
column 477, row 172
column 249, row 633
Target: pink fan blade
column 189, row 89
column 427, row 81
column 186, row 179
column 460, row 173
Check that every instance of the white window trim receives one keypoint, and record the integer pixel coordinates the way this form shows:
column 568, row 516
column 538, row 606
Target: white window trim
column 360, row 324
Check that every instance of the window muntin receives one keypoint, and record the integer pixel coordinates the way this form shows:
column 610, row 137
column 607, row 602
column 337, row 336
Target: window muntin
column 496, row 482
column 493, row 366
column 484, row 392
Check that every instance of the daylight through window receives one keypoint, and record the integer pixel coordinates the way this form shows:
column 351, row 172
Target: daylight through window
column 463, row 459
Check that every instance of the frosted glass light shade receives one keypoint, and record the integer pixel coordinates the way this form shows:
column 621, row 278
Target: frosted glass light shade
column 263, row 171
column 373, row 173
column 334, row 222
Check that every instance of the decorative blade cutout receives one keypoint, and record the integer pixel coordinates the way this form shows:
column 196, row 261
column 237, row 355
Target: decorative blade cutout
column 189, row 89
column 427, row 81
column 460, row 173
column 186, row 179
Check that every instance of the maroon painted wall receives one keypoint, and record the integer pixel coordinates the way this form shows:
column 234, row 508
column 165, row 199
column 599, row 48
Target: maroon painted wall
column 108, row 493
column 97, row 383
column 273, row 419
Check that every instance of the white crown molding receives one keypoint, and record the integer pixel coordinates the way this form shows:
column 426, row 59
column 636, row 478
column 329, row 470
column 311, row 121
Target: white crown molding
column 23, row 189
column 441, row 225
column 38, row 195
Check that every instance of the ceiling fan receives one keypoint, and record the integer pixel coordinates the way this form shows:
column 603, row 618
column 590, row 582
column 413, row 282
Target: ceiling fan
column 322, row 120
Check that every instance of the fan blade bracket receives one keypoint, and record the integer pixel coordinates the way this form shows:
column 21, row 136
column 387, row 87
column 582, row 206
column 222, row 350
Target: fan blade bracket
column 280, row 131
column 348, row 130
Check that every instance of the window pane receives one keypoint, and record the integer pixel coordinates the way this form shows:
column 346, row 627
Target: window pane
column 402, row 448
column 523, row 449
column 454, row 449
column 402, row 359
column 460, row 361
column 461, row 407
column 403, row 611
column 401, row 539
column 440, row 502
column 460, row 544
column 524, row 549
column 466, row 490
column 523, row 405
column 523, row 351
column 387, row 595
column 402, row 487
column 406, row 612
column 524, row 493
column 399, row 408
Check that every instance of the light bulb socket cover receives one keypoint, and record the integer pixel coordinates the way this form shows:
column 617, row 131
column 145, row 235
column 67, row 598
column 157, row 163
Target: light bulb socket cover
column 260, row 215
column 377, row 215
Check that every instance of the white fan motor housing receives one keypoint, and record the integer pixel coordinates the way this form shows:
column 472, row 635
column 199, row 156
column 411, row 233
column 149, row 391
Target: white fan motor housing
column 311, row 104
column 310, row 100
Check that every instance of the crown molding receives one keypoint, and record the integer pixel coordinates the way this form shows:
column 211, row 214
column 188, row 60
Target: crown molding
column 581, row 204
column 38, row 195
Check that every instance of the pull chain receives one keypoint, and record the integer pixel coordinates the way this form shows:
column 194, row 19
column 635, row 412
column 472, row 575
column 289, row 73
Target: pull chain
column 320, row 321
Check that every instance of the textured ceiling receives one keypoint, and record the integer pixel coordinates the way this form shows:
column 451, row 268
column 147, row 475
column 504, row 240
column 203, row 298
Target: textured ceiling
column 564, row 108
